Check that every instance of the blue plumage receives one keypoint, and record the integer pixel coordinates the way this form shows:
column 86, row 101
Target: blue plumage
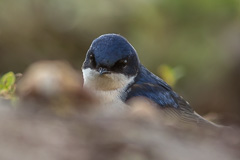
column 148, row 85
column 112, row 48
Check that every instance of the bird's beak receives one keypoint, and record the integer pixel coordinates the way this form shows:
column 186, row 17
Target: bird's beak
column 103, row 71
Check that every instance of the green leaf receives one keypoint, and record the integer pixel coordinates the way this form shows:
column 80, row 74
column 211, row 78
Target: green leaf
column 7, row 81
column 169, row 74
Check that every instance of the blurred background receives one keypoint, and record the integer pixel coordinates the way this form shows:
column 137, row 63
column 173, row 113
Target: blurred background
column 193, row 45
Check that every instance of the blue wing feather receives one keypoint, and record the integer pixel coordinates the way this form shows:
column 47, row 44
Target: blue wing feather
column 156, row 93
column 152, row 87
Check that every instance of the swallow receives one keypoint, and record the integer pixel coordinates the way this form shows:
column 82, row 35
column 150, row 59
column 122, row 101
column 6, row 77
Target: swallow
column 112, row 69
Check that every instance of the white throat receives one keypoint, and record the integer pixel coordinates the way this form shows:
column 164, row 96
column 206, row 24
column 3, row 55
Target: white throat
column 108, row 87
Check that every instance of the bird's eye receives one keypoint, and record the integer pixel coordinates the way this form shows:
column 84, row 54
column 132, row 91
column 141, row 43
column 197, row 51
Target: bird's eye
column 91, row 56
column 120, row 64
column 125, row 61
column 92, row 59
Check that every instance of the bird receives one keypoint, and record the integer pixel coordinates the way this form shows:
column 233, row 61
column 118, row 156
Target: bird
column 112, row 70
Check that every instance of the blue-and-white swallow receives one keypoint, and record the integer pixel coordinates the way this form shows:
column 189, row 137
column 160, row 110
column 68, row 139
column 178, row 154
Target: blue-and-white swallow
column 112, row 69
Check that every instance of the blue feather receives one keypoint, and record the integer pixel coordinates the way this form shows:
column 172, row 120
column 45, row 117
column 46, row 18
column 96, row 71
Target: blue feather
column 152, row 87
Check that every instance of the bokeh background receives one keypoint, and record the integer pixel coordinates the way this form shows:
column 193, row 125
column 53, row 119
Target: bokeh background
column 194, row 45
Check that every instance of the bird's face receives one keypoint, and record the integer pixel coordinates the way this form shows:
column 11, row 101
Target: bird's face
column 111, row 63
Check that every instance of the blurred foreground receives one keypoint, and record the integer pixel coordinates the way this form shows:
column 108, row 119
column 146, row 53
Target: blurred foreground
column 107, row 136
column 56, row 119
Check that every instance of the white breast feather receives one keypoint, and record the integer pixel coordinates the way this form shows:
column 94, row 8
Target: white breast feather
column 108, row 87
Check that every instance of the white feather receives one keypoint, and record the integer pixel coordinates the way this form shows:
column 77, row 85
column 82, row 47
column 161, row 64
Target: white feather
column 108, row 87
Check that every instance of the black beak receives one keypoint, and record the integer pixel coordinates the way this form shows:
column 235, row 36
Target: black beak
column 103, row 71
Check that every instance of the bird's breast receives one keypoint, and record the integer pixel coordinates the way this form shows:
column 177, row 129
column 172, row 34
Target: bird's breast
column 108, row 88
column 110, row 97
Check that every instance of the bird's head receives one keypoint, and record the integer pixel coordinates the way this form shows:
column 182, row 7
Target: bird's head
column 111, row 63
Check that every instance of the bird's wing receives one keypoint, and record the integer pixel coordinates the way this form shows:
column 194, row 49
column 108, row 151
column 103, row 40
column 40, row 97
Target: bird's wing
column 154, row 92
column 171, row 103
